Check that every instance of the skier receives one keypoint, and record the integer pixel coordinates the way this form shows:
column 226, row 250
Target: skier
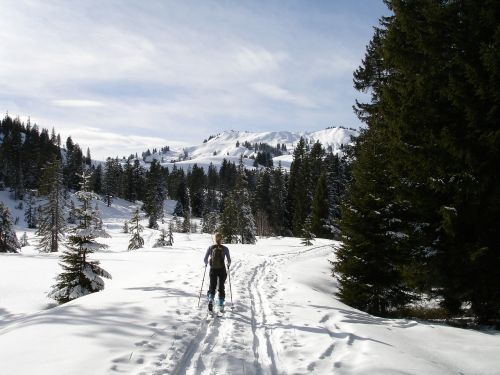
column 217, row 253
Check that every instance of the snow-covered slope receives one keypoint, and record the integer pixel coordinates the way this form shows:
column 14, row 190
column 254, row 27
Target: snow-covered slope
column 224, row 146
column 286, row 318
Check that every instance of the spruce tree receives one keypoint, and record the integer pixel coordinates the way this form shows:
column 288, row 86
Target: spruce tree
column 24, row 240
column 71, row 213
column 197, row 187
column 179, row 209
column 30, row 216
column 125, row 227
column 170, row 234
column 263, row 202
column 136, row 241
column 186, row 222
column 319, row 211
column 111, row 181
column 337, row 178
column 8, row 238
column 210, row 222
column 228, row 219
column 245, row 222
column 278, row 193
column 81, row 276
column 307, row 234
column 431, row 69
column 370, row 261
column 51, row 226
column 162, row 241
column 155, row 194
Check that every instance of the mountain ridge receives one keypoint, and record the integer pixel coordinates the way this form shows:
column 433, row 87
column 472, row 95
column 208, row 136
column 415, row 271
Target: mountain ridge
column 230, row 145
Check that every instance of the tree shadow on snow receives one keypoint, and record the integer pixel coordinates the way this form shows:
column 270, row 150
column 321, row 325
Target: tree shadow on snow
column 359, row 317
column 168, row 292
column 243, row 319
column 116, row 320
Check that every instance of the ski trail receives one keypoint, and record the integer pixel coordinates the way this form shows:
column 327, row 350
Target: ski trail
column 265, row 357
column 242, row 341
column 202, row 354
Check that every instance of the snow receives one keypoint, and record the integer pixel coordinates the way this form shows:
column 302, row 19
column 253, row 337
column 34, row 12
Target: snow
column 286, row 318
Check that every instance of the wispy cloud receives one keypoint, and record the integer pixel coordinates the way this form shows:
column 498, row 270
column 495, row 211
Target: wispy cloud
column 280, row 94
column 77, row 103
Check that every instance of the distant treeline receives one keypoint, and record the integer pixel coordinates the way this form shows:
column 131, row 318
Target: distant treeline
column 279, row 202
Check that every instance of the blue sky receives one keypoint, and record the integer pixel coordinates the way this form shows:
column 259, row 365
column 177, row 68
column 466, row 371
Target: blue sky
column 122, row 76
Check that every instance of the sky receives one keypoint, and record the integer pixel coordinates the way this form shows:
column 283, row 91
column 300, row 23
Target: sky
column 123, row 76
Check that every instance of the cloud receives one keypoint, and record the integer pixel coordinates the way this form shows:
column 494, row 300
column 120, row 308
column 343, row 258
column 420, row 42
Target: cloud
column 259, row 59
column 77, row 103
column 109, row 144
column 278, row 93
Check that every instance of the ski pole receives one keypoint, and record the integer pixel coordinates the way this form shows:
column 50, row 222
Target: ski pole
column 230, row 288
column 202, row 282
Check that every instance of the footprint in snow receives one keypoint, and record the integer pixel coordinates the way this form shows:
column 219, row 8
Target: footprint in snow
column 324, row 319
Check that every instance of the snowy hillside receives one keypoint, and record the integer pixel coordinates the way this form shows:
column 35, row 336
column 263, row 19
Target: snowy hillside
column 224, row 146
column 286, row 319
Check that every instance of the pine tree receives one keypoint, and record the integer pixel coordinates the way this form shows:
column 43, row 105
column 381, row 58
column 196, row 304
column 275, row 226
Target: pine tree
column 179, row 209
column 163, row 240
column 112, row 179
column 155, row 194
column 228, row 219
column 186, row 222
column 24, row 240
column 170, row 234
column 197, row 186
column 212, row 201
column 278, row 193
column 319, row 211
column 73, row 166
column 81, row 276
column 88, row 159
column 8, row 238
column 298, row 192
column 52, row 224
column 125, row 227
column 136, row 241
column 370, row 262
column 71, row 212
column 263, row 202
column 431, row 69
column 337, row 180
column 307, row 234
column 30, row 216
column 210, row 222
column 245, row 222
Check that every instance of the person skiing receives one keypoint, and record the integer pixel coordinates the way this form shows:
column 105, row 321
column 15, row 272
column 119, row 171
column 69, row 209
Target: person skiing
column 215, row 256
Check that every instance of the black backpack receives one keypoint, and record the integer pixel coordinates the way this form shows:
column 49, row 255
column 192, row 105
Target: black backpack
column 217, row 258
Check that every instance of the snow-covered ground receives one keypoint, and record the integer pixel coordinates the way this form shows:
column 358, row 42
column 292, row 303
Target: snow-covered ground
column 286, row 319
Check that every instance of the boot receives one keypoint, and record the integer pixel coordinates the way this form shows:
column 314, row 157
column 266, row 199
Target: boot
column 221, row 304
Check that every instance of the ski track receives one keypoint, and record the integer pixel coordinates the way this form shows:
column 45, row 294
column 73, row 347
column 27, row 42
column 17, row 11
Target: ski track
column 243, row 340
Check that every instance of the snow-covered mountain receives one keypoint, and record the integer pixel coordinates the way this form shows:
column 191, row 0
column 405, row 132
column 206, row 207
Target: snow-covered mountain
column 230, row 145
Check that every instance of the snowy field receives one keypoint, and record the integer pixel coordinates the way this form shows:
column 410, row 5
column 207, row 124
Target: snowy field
column 286, row 319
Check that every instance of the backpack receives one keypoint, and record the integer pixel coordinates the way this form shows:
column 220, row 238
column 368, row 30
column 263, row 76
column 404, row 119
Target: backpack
column 217, row 258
